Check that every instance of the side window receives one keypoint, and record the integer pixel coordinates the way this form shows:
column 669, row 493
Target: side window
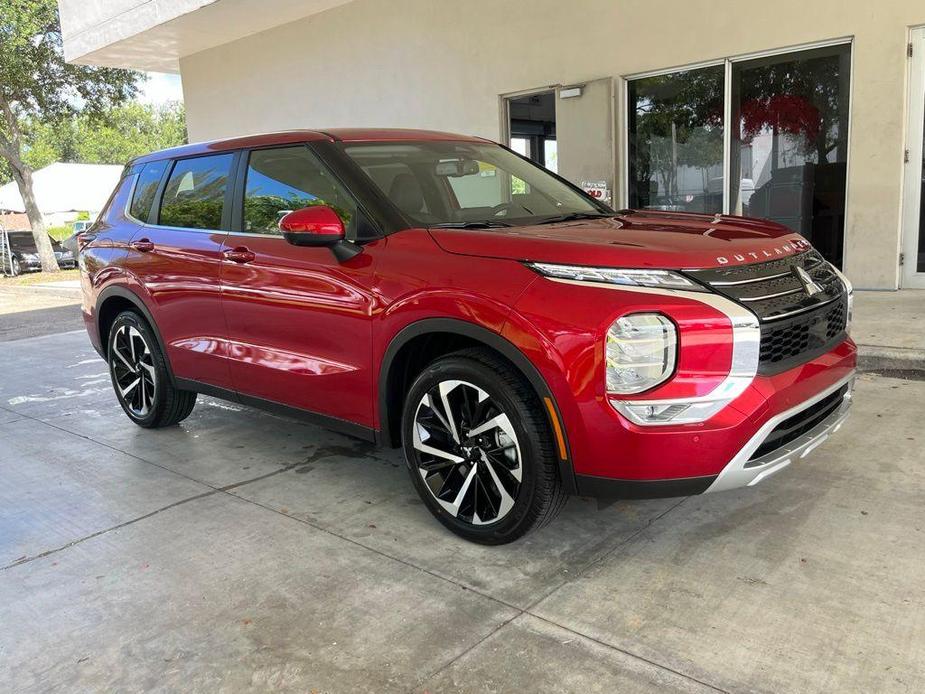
column 286, row 179
column 146, row 188
column 195, row 193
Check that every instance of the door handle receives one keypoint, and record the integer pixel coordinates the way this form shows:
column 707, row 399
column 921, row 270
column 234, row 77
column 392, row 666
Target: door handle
column 238, row 255
column 143, row 245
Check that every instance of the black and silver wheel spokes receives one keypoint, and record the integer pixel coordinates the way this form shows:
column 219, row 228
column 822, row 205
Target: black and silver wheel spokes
column 133, row 370
column 467, row 452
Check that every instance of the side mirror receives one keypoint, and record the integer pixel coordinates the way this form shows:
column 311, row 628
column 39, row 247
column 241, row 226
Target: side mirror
column 317, row 225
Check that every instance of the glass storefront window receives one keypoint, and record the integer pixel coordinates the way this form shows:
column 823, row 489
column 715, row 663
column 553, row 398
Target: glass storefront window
column 790, row 142
column 676, row 141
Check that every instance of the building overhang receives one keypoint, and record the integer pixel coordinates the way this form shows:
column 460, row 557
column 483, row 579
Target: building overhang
column 153, row 35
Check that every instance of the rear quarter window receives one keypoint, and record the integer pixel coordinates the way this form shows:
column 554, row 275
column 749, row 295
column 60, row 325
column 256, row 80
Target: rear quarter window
column 146, row 188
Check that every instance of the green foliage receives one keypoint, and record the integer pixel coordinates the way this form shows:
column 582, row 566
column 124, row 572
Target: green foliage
column 34, row 78
column 59, row 233
column 113, row 137
column 263, row 212
column 83, row 216
column 126, row 132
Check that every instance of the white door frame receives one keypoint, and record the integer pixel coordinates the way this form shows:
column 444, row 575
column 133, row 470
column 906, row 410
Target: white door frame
column 912, row 176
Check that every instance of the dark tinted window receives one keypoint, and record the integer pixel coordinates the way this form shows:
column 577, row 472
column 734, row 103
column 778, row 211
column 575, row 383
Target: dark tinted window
column 195, row 193
column 286, row 179
column 145, row 189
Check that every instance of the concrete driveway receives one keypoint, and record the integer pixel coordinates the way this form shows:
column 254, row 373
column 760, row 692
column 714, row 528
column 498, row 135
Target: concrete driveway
column 244, row 551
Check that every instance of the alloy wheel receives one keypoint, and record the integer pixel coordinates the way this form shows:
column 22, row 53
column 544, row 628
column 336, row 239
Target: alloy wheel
column 467, row 452
column 133, row 370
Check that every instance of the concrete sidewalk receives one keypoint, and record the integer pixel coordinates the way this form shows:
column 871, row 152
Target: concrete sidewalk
column 889, row 328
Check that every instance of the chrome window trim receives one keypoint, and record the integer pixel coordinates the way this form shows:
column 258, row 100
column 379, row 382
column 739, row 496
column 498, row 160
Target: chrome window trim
column 746, row 341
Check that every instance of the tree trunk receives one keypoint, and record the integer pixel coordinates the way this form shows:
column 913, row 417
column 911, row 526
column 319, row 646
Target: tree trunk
column 23, row 176
column 11, row 149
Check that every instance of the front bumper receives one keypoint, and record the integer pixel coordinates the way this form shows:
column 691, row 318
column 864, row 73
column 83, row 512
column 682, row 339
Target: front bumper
column 749, row 466
column 777, row 421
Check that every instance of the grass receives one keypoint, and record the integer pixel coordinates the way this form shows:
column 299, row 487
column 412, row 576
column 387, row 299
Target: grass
column 28, row 278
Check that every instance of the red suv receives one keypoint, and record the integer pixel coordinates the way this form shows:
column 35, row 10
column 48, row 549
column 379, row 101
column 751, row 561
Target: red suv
column 521, row 340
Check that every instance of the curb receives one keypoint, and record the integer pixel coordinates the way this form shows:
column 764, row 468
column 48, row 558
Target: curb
column 872, row 358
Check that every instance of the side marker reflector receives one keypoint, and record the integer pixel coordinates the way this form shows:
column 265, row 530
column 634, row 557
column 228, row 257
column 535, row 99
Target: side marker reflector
column 556, row 428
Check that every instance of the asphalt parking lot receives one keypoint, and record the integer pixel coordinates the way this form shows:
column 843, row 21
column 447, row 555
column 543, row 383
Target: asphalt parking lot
column 245, row 551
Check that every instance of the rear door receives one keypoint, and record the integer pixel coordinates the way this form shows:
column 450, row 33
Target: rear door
column 299, row 322
column 176, row 257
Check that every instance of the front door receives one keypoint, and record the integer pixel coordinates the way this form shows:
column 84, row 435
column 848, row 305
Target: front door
column 179, row 259
column 914, row 192
column 299, row 323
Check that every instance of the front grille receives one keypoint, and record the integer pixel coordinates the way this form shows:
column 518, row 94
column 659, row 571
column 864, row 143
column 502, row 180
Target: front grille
column 802, row 337
column 794, row 427
column 795, row 326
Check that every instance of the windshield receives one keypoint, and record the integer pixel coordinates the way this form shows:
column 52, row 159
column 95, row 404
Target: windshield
column 468, row 184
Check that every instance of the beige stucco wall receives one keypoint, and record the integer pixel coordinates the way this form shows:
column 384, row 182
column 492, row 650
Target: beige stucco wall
column 441, row 64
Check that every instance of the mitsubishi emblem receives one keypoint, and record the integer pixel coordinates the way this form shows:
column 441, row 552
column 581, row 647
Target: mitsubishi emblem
column 809, row 286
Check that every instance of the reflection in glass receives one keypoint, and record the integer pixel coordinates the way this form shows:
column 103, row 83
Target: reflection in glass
column 676, row 141
column 789, row 148
column 145, row 189
column 458, row 183
column 285, row 179
column 195, row 193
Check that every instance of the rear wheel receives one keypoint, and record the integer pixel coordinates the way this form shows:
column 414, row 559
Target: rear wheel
column 479, row 448
column 140, row 378
column 15, row 267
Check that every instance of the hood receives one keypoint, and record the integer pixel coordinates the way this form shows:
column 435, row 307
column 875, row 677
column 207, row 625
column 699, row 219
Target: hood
column 633, row 239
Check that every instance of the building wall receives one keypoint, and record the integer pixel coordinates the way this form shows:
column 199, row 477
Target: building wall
column 439, row 64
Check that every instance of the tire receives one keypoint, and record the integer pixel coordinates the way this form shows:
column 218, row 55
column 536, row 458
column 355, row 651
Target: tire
column 15, row 267
column 140, row 377
column 471, row 416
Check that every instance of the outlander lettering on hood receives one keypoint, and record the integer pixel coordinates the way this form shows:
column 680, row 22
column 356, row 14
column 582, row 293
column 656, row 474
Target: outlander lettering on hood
column 795, row 246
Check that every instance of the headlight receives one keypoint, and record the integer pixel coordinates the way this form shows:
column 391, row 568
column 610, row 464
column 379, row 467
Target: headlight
column 30, row 257
column 640, row 352
column 665, row 279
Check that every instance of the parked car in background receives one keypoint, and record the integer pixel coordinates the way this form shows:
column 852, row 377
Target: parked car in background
column 518, row 338
column 24, row 256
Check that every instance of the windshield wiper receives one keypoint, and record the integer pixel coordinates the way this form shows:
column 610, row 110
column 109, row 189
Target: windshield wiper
column 573, row 216
column 471, row 225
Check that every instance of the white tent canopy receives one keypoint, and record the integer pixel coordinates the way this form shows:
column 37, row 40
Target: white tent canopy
column 61, row 188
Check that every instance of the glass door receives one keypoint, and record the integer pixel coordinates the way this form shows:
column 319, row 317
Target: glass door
column 675, row 141
column 760, row 136
column 913, row 268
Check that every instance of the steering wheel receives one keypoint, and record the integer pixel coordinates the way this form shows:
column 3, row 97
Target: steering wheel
column 502, row 209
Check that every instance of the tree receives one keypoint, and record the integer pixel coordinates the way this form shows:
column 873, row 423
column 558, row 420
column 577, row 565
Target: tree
column 113, row 137
column 39, row 88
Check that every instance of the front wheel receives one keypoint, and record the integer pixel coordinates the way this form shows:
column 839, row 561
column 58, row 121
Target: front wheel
column 479, row 448
column 140, row 377
column 15, row 267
